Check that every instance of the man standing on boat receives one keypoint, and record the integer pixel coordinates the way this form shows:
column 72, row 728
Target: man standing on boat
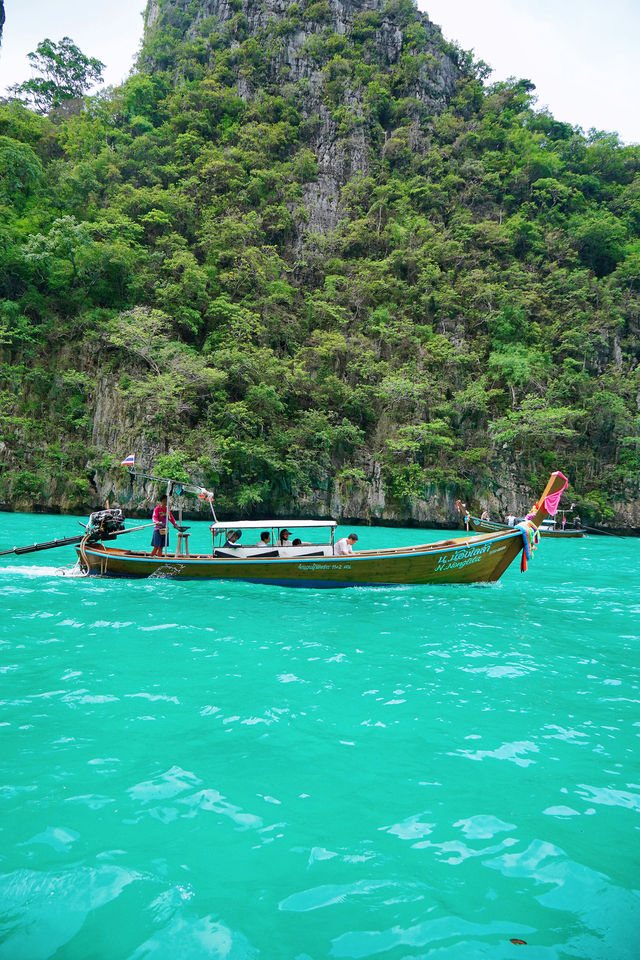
column 160, row 533
column 344, row 546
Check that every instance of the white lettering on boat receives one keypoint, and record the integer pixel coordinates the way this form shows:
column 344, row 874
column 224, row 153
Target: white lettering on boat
column 462, row 558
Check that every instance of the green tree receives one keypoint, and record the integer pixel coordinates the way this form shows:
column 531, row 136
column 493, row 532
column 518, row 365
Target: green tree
column 65, row 244
column 20, row 171
column 63, row 71
column 599, row 239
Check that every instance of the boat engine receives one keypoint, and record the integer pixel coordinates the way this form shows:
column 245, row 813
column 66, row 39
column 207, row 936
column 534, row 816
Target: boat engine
column 105, row 524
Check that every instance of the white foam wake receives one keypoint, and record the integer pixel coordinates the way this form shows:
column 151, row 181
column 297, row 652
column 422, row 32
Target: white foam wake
column 32, row 571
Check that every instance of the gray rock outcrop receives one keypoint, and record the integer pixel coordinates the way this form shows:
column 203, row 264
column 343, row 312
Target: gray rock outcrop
column 340, row 155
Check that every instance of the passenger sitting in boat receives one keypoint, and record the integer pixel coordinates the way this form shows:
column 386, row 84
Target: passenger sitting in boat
column 160, row 537
column 344, row 546
column 511, row 520
column 301, row 543
column 232, row 538
column 283, row 539
column 265, row 536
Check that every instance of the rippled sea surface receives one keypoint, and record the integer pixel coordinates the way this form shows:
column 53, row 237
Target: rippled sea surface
column 210, row 770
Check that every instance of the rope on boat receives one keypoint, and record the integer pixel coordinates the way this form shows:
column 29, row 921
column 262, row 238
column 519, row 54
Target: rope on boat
column 530, row 538
column 82, row 563
column 81, row 567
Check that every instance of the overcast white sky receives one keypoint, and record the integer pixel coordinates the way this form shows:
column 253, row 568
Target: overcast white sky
column 582, row 55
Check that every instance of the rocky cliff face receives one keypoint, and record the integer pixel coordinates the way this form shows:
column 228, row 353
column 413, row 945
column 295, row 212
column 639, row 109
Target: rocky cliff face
column 295, row 38
column 326, row 108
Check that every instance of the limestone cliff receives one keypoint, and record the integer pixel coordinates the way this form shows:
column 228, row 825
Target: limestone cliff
column 295, row 34
column 308, row 258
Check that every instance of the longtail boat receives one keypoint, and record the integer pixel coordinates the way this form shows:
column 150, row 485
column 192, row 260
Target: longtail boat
column 473, row 559
column 551, row 527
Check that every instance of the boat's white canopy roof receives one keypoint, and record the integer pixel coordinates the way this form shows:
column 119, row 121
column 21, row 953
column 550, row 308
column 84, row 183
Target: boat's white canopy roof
column 271, row 524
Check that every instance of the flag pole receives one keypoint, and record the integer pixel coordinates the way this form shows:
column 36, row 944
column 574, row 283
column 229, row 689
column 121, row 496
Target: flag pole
column 166, row 526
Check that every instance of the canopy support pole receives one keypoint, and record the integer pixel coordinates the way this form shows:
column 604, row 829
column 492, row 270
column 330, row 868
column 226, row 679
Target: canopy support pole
column 165, row 549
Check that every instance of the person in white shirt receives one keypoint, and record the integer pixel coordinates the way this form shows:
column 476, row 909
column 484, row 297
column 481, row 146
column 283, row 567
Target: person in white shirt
column 283, row 539
column 344, row 546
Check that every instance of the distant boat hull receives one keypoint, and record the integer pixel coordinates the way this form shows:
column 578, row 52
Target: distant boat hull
column 490, row 526
column 465, row 560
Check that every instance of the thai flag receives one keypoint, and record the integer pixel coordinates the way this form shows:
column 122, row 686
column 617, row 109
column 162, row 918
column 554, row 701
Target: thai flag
column 129, row 461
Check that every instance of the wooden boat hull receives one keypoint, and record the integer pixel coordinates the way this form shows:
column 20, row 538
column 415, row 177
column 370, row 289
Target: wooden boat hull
column 490, row 526
column 465, row 560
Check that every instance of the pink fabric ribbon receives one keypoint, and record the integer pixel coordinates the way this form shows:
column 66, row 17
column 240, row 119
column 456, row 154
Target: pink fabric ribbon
column 551, row 502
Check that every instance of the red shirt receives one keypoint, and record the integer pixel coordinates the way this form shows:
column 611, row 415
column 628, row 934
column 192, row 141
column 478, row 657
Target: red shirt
column 160, row 517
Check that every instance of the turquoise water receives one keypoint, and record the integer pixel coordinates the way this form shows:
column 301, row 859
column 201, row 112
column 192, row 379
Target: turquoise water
column 206, row 770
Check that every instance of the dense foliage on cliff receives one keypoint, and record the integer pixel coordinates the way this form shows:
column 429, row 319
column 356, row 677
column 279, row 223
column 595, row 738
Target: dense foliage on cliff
column 476, row 311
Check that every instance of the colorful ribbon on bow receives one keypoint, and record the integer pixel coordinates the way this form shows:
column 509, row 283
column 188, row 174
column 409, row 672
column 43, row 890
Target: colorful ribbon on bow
column 530, row 538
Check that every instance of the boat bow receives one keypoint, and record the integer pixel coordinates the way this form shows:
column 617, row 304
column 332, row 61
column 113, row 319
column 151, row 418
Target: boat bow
column 547, row 505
